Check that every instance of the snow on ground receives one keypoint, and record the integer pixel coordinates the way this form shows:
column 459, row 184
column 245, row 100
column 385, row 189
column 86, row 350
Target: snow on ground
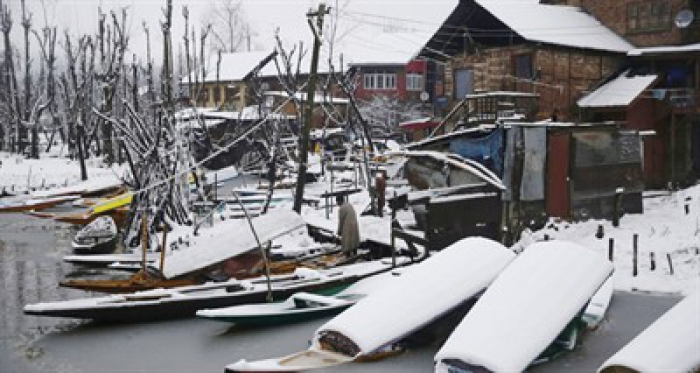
column 50, row 172
column 664, row 229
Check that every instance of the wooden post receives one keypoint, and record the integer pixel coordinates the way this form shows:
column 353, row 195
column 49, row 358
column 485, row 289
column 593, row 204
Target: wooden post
column 670, row 263
column 144, row 240
column 163, row 246
column 327, row 212
column 262, row 249
column 617, row 208
column 611, row 250
column 311, row 93
column 600, row 233
column 687, row 209
column 634, row 255
column 653, row 260
column 393, row 239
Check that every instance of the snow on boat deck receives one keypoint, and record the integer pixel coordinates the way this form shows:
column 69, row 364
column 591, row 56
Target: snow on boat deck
column 527, row 306
column 228, row 239
column 671, row 344
column 421, row 294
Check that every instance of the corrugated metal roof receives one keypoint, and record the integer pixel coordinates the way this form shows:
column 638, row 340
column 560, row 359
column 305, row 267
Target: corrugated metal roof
column 620, row 91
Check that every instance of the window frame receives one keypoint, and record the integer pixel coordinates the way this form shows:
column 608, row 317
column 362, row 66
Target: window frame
column 414, row 82
column 379, row 80
column 648, row 16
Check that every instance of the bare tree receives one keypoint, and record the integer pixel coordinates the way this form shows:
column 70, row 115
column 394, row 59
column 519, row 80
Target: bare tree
column 231, row 30
column 12, row 92
column 112, row 42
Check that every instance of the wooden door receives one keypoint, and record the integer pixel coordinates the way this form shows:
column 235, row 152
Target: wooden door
column 557, row 192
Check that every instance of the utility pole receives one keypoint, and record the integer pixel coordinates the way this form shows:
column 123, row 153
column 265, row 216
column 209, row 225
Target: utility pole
column 311, row 93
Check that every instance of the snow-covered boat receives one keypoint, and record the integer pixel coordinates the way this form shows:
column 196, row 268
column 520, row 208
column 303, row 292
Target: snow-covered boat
column 25, row 203
column 159, row 304
column 537, row 297
column 446, row 283
column 670, row 344
column 98, row 237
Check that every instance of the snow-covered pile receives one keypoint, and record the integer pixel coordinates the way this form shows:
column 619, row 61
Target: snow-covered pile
column 18, row 174
column 421, row 294
column 532, row 300
column 670, row 344
column 664, row 229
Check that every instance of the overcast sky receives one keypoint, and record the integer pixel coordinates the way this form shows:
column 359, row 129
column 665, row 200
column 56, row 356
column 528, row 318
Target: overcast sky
column 363, row 18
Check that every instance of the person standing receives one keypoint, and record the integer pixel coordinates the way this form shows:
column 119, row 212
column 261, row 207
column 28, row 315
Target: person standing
column 380, row 187
column 348, row 230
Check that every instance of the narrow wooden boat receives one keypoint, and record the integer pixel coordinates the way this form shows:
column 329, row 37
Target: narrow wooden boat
column 104, row 260
column 98, row 237
column 445, row 284
column 299, row 307
column 138, row 282
column 670, row 344
column 160, row 304
column 537, row 300
column 26, row 203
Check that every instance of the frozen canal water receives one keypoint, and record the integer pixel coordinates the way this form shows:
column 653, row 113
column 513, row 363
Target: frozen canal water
column 30, row 268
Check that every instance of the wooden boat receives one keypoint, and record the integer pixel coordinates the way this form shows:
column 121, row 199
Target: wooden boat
column 598, row 306
column 299, row 307
column 140, row 281
column 98, row 237
column 104, row 260
column 209, row 248
column 116, row 207
column 160, row 304
column 445, row 284
column 26, row 203
column 670, row 344
column 538, row 299
column 226, row 240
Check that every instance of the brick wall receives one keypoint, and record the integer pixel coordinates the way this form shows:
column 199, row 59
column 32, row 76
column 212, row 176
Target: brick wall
column 614, row 15
column 563, row 75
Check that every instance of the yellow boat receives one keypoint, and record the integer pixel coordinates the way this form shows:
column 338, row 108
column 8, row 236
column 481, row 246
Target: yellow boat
column 110, row 204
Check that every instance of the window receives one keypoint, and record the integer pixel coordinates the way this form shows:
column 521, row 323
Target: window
column 414, row 82
column 523, row 66
column 648, row 16
column 379, row 80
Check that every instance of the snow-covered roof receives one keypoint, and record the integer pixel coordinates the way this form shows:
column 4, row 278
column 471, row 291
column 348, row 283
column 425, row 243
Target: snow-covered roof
column 556, row 24
column 388, row 48
column 233, row 67
column 318, row 98
column 620, row 91
column 502, row 94
column 665, row 50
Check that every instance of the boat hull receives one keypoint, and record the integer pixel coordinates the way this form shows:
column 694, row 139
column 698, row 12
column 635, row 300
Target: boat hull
column 163, row 304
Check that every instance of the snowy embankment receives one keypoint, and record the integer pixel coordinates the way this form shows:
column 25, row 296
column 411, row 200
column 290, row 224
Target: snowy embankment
column 665, row 231
column 20, row 175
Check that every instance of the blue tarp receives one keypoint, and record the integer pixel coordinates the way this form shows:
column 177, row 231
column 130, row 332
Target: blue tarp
column 487, row 150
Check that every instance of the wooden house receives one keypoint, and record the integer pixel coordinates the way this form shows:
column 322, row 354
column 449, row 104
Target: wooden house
column 525, row 47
